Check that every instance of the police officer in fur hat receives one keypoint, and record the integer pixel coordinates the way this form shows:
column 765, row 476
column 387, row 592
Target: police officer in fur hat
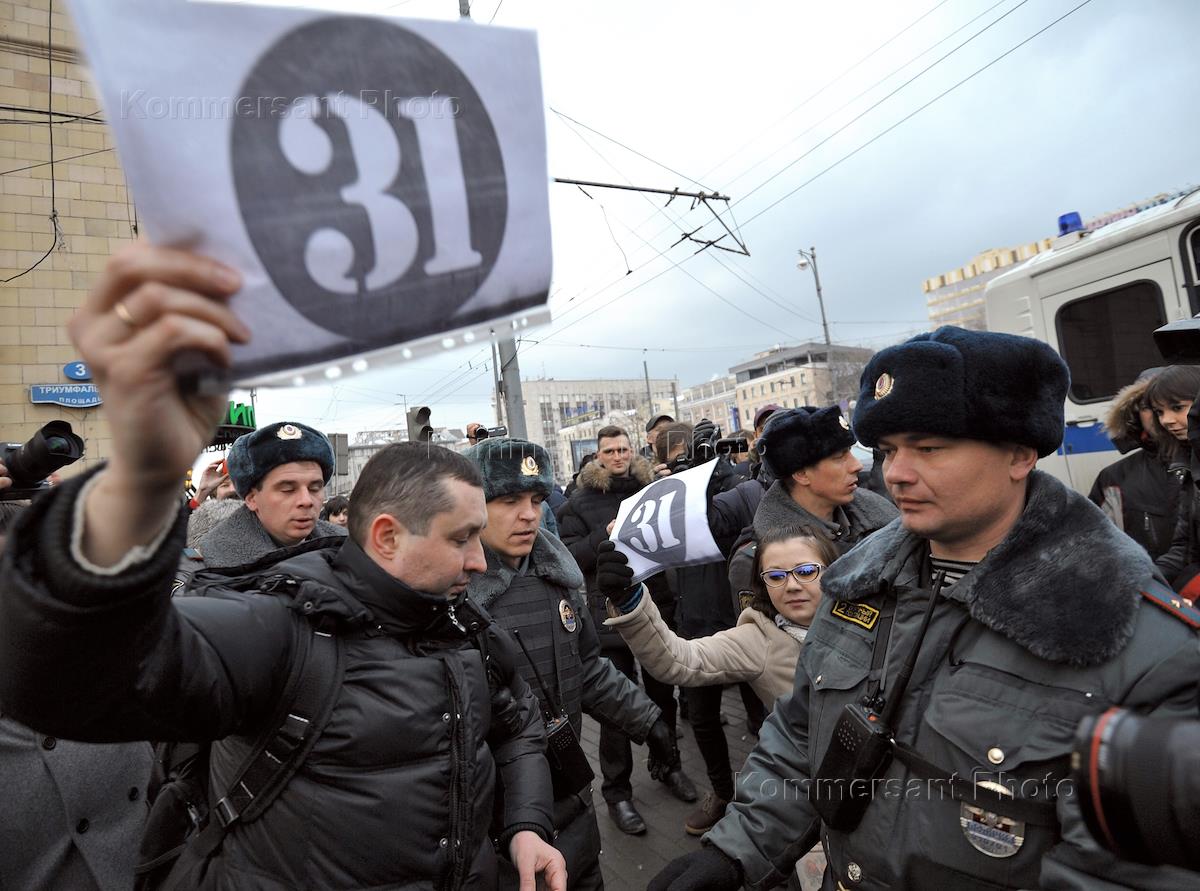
column 280, row 472
column 1024, row 611
column 530, row 588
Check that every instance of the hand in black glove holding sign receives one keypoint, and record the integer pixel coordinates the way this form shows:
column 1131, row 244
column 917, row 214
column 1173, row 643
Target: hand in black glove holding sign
column 614, row 574
column 708, row 869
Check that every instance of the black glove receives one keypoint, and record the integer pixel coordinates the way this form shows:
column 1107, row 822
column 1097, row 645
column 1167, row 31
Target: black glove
column 664, row 751
column 613, row 573
column 708, row 869
column 704, row 434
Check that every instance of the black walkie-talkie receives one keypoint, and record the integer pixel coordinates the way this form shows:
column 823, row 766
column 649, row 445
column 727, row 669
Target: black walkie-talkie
column 858, row 754
column 570, row 771
column 862, row 744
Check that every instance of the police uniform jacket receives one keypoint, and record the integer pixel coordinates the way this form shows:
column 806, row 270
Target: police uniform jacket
column 238, row 540
column 398, row 790
column 1051, row 627
column 542, row 604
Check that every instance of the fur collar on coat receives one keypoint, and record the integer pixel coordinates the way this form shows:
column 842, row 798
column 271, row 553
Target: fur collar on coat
column 549, row 560
column 866, row 513
column 240, row 538
column 1064, row 583
column 641, row 472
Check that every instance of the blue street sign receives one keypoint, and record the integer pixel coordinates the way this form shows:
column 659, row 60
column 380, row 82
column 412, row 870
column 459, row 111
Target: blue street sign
column 66, row 395
column 77, row 371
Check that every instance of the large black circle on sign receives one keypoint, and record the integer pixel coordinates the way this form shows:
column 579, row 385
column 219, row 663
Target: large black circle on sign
column 369, row 178
column 656, row 528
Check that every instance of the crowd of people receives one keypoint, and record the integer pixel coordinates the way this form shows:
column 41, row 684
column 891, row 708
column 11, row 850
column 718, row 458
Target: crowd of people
column 260, row 687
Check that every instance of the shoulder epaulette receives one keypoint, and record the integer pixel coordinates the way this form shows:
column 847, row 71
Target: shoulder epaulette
column 1166, row 599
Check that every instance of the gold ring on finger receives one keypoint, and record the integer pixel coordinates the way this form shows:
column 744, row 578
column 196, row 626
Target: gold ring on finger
column 124, row 314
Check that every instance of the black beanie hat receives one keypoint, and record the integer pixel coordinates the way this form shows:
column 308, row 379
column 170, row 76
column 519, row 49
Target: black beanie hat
column 253, row 455
column 796, row 438
column 511, row 466
column 970, row 384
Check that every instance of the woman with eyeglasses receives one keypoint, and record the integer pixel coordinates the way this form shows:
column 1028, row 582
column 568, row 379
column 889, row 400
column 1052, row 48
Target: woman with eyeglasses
column 762, row 648
column 764, row 645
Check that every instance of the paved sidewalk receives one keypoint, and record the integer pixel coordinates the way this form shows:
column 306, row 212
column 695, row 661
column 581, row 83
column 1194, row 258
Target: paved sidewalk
column 630, row 861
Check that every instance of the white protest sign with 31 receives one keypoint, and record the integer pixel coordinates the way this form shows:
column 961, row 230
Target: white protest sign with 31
column 381, row 184
column 666, row 524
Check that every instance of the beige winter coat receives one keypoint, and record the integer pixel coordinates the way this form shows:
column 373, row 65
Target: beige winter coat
column 755, row 650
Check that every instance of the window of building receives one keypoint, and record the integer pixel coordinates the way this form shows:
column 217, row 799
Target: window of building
column 792, row 380
column 772, row 386
column 1107, row 338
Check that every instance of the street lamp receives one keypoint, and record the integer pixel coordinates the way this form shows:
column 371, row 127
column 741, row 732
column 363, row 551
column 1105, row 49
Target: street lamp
column 808, row 260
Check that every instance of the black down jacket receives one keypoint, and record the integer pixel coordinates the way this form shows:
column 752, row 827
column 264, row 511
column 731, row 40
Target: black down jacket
column 398, row 791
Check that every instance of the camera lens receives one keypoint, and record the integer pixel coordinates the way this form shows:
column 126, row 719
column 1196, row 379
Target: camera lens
column 57, row 445
column 1136, row 779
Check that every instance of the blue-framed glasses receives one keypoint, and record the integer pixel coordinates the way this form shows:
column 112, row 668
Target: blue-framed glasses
column 805, row 572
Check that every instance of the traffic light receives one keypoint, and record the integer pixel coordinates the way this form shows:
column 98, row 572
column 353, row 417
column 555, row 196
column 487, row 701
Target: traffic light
column 418, row 424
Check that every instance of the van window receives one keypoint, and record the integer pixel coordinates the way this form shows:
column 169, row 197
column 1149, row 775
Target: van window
column 1107, row 339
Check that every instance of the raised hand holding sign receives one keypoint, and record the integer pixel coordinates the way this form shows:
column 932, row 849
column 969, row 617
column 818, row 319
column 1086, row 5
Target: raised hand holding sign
column 666, row 524
column 380, row 184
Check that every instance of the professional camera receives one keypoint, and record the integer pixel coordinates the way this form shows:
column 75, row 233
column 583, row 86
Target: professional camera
column 1138, row 784
column 490, row 432
column 729, row 445
column 29, row 465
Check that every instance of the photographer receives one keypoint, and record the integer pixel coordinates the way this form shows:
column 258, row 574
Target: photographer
column 955, row 651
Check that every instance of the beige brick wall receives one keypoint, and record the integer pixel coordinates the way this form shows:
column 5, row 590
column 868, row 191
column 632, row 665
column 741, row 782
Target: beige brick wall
column 93, row 206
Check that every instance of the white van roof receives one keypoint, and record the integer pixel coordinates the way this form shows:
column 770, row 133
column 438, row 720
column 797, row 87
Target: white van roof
column 1153, row 219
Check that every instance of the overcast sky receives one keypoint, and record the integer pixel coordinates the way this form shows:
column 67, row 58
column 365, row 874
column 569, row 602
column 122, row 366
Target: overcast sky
column 1093, row 114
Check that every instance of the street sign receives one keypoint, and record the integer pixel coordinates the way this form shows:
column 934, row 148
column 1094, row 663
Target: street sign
column 380, row 183
column 66, row 395
column 77, row 371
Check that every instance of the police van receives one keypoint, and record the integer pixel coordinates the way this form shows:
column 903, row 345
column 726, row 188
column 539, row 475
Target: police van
column 1097, row 297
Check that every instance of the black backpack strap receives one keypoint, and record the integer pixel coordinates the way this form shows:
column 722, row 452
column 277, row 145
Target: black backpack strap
column 310, row 693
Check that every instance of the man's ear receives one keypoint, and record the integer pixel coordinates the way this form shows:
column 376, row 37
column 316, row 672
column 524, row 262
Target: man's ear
column 385, row 536
column 1024, row 459
column 251, row 499
column 801, row 477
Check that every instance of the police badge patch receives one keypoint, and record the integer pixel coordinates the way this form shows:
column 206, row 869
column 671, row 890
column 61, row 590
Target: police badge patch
column 858, row 613
column 884, row 385
column 988, row 832
column 567, row 615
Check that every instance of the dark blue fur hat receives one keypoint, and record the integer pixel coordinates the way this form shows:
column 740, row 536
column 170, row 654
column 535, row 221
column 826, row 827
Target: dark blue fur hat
column 796, row 438
column 970, row 384
column 253, row 455
column 512, row 466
